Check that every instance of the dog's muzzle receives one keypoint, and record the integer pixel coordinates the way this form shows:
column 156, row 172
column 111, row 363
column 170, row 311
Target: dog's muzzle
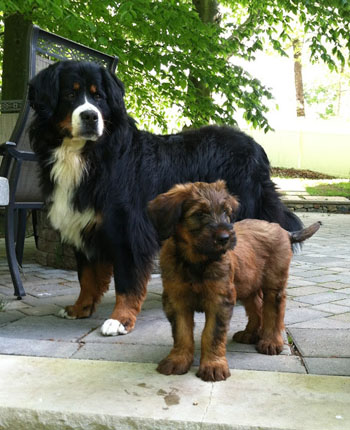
column 222, row 233
column 222, row 237
column 219, row 239
column 87, row 122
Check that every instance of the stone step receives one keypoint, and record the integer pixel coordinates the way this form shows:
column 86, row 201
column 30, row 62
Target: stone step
column 60, row 394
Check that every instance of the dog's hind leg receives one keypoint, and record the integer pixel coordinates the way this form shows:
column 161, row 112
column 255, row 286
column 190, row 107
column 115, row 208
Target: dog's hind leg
column 94, row 281
column 253, row 308
column 274, row 303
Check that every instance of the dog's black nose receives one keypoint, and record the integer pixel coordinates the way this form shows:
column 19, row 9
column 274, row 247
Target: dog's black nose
column 89, row 116
column 222, row 237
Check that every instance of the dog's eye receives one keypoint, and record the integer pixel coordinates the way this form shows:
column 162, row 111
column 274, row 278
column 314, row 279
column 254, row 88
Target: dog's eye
column 227, row 211
column 71, row 95
column 232, row 217
column 97, row 96
column 199, row 214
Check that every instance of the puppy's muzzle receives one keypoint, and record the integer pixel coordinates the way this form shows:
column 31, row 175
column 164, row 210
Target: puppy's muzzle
column 222, row 237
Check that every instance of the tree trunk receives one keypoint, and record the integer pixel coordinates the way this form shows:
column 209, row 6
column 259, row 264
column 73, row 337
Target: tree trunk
column 14, row 69
column 208, row 13
column 339, row 91
column 298, row 77
column 208, row 10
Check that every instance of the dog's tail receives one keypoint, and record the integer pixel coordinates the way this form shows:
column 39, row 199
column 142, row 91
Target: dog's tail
column 305, row 233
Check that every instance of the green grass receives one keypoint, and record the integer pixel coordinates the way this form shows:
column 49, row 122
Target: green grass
column 342, row 189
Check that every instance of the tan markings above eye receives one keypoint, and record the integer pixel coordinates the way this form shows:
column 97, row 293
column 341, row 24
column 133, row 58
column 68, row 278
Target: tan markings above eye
column 93, row 89
column 76, row 86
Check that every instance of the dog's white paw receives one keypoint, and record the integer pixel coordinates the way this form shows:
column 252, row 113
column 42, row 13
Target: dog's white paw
column 113, row 328
column 64, row 314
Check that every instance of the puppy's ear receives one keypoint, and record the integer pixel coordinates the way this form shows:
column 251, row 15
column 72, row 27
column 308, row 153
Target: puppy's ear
column 166, row 209
column 44, row 90
column 220, row 185
column 115, row 92
column 234, row 204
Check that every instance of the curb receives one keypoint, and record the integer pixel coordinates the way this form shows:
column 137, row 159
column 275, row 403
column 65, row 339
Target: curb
column 58, row 394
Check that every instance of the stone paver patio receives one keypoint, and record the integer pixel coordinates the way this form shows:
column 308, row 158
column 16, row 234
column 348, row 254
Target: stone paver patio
column 317, row 315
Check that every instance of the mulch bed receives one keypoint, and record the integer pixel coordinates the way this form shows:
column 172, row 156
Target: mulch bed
column 297, row 173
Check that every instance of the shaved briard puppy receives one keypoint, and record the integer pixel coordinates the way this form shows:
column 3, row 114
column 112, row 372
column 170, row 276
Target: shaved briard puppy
column 207, row 262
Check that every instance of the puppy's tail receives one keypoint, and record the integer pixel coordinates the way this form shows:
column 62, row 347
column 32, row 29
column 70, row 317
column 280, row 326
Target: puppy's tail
column 305, row 233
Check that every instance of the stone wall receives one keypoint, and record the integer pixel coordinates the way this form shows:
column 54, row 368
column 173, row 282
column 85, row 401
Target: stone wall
column 51, row 252
column 326, row 205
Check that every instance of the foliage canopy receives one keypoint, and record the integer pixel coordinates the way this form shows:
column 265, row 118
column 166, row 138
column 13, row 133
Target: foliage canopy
column 161, row 43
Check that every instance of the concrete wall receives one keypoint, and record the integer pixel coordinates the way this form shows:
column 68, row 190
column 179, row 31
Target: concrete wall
column 322, row 146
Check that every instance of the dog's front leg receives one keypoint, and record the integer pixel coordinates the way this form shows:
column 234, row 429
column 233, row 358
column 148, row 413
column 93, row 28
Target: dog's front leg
column 213, row 364
column 131, row 288
column 181, row 318
column 94, row 279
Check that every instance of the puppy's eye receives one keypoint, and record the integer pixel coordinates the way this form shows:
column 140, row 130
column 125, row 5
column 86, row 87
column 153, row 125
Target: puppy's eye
column 97, row 96
column 227, row 213
column 199, row 214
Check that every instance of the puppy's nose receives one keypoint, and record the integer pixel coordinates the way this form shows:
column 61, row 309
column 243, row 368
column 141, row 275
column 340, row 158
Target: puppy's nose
column 89, row 116
column 222, row 237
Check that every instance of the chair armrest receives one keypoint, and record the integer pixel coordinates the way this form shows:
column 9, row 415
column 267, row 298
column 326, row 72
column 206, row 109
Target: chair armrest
column 20, row 155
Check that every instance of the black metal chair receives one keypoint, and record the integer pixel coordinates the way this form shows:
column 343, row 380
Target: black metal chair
column 18, row 164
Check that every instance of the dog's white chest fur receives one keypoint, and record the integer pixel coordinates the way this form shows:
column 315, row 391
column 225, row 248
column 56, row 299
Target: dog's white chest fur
column 67, row 172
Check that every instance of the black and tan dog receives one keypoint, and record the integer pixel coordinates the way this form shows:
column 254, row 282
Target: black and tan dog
column 208, row 262
column 98, row 171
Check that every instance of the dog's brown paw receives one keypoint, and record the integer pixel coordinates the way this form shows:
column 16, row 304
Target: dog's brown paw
column 212, row 372
column 76, row 311
column 245, row 337
column 174, row 366
column 268, row 347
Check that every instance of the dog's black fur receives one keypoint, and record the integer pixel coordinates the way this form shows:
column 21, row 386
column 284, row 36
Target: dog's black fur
column 126, row 167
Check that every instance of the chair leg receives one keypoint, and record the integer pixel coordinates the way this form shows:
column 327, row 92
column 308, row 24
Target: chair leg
column 21, row 234
column 35, row 226
column 11, row 251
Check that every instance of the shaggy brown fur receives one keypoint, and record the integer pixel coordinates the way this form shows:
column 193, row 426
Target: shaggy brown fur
column 208, row 262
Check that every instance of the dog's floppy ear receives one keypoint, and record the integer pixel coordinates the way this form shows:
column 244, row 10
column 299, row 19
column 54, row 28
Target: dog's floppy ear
column 44, row 90
column 115, row 92
column 166, row 209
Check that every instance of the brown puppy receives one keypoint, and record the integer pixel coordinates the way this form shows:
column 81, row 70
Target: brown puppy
column 207, row 262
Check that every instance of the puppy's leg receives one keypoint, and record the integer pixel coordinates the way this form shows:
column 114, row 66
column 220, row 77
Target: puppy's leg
column 253, row 308
column 213, row 364
column 180, row 316
column 94, row 278
column 271, row 340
